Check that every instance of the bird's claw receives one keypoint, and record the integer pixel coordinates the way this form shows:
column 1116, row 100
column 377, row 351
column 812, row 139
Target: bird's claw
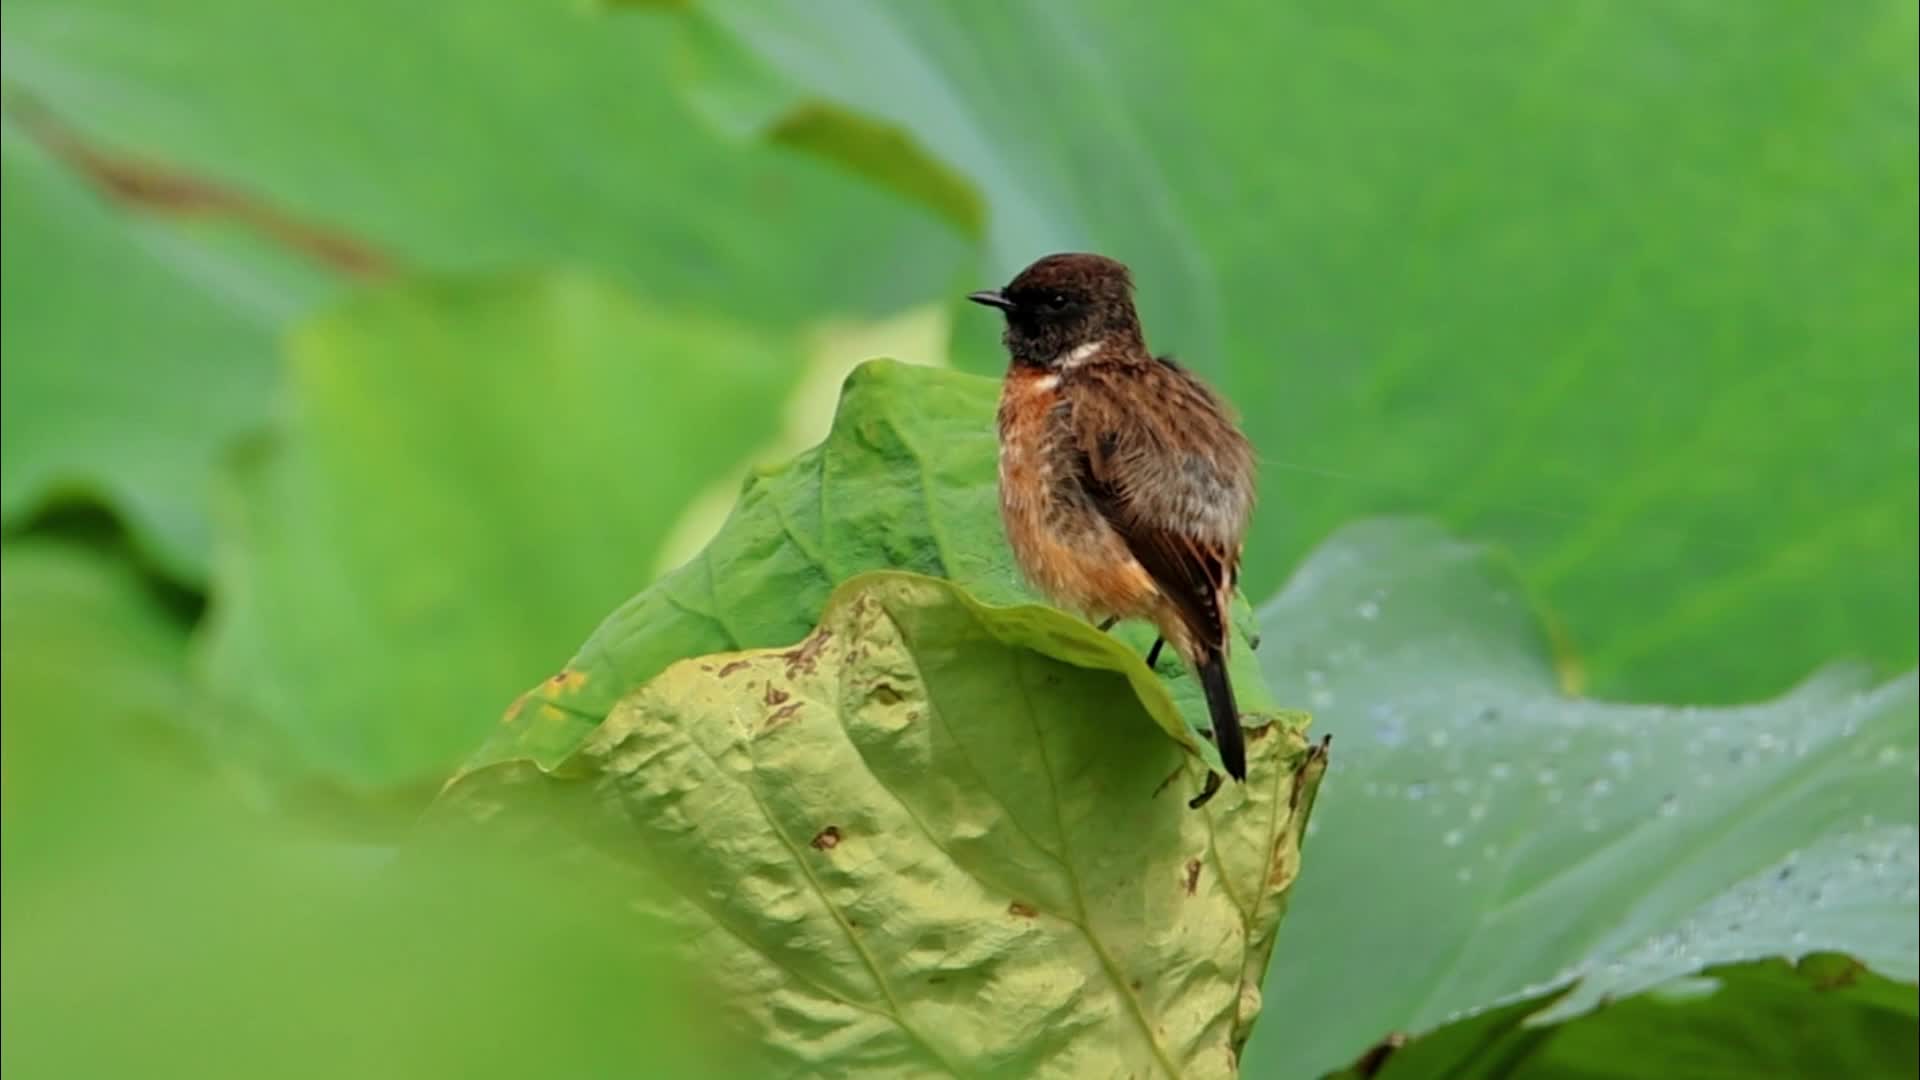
column 1207, row 792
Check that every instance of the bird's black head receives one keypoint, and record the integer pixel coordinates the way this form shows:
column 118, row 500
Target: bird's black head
column 1066, row 307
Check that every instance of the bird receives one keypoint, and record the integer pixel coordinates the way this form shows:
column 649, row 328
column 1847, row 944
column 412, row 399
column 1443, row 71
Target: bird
column 1126, row 484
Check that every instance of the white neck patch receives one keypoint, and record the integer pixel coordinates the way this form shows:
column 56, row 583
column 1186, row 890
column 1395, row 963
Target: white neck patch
column 1080, row 355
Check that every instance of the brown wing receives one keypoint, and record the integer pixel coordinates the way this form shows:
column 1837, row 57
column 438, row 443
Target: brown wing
column 1173, row 475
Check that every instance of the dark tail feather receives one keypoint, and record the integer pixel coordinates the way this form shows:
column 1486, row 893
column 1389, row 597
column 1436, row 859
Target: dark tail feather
column 1212, row 670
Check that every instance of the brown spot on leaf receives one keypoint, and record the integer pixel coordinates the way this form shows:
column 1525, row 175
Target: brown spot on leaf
column 775, row 695
column 826, row 839
column 1138, row 986
column 1847, row 974
column 1193, row 875
column 1317, row 754
column 780, row 716
column 165, row 190
column 1370, row 1063
column 1020, row 910
column 804, row 656
column 885, row 694
column 732, row 667
column 1280, row 866
column 912, row 715
column 513, row 710
column 1255, row 734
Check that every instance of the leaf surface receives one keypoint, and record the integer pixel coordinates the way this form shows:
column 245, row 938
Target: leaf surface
column 938, row 837
column 1627, row 290
column 469, row 475
column 137, row 352
column 1487, row 838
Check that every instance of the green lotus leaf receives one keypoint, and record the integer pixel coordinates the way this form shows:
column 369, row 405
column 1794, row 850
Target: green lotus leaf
column 1488, row 839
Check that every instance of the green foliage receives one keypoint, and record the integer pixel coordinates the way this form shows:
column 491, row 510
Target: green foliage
column 445, row 136
column 157, row 925
column 414, row 543
column 1821, row 1017
column 936, row 838
column 1538, row 840
column 1627, row 292
column 1628, row 289
column 135, row 355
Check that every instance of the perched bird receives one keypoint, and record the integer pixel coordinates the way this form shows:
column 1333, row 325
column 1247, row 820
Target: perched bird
column 1125, row 485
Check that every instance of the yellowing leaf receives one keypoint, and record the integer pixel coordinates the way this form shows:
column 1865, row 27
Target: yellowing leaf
column 936, row 837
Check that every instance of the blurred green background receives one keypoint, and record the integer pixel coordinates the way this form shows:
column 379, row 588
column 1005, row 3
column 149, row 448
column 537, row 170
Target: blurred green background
column 358, row 359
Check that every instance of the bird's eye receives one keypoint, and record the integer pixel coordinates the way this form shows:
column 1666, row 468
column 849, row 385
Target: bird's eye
column 1057, row 300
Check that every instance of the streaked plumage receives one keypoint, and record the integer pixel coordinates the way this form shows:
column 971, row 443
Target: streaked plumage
column 1125, row 486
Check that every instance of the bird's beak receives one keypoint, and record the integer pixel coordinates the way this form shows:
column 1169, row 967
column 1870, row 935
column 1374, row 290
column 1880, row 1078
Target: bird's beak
column 991, row 298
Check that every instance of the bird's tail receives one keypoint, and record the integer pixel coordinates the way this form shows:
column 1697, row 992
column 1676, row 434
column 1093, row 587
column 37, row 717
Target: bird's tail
column 1212, row 671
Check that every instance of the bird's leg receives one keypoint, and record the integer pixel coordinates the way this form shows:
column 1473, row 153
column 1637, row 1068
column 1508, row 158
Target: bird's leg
column 1153, row 654
column 1206, row 793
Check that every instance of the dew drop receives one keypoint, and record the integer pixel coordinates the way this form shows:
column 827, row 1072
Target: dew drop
column 1437, row 738
column 1477, row 811
column 1547, row 776
column 1620, row 760
column 1392, row 730
column 1670, row 806
column 1887, row 756
column 1368, row 610
column 1500, row 770
column 1453, row 838
column 1599, row 787
column 1417, row 790
column 1463, row 874
column 1765, row 741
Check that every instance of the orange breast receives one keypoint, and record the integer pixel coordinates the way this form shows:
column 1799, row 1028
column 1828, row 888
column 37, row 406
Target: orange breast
column 1064, row 546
